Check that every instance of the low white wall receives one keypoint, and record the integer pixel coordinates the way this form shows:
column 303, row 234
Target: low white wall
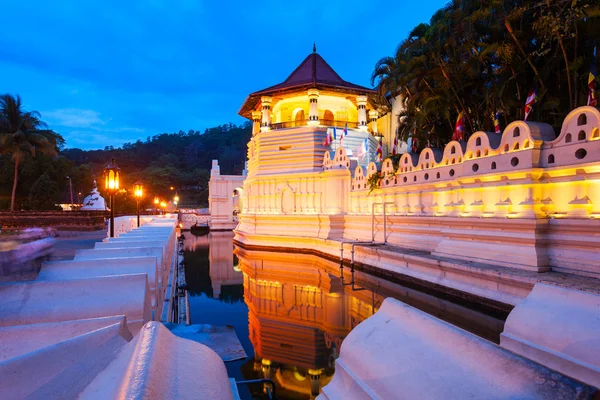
column 403, row 353
column 64, row 369
column 76, row 269
column 165, row 367
column 98, row 254
column 558, row 327
column 39, row 302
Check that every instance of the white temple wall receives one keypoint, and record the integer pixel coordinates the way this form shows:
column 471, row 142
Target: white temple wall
column 521, row 199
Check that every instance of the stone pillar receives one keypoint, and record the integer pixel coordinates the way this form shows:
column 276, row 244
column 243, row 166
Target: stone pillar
column 266, row 113
column 256, row 119
column 313, row 111
column 373, row 115
column 361, row 102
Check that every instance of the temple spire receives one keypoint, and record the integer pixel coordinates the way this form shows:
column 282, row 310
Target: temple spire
column 314, row 47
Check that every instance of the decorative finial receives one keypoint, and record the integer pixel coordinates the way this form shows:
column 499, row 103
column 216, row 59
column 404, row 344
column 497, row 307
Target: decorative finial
column 314, row 47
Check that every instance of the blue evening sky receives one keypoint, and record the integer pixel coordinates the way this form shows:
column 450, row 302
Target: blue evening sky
column 109, row 72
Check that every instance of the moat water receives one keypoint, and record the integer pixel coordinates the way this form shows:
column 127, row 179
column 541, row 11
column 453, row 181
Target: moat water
column 292, row 311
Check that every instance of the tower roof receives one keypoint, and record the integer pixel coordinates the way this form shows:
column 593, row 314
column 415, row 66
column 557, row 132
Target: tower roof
column 313, row 72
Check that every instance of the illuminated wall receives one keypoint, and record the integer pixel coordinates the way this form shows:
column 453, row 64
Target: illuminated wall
column 522, row 199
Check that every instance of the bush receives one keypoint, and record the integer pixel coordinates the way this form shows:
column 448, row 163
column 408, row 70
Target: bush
column 43, row 194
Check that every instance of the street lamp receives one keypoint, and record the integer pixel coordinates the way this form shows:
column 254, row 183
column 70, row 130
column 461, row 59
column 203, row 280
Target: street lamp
column 71, row 190
column 156, row 201
column 176, row 199
column 112, row 175
column 163, row 205
column 138, row 192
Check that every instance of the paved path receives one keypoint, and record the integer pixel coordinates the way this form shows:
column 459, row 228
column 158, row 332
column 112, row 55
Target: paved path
column 68, row 242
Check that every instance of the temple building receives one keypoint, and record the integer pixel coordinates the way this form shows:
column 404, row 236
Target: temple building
column 295, row 117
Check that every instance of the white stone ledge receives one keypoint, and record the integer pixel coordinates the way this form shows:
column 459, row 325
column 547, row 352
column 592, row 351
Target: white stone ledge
column 158, row 365
column 39, row 302
column 560, row 328
column 403, row 353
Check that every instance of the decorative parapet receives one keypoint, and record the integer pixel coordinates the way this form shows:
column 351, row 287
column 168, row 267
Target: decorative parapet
column 523, row 159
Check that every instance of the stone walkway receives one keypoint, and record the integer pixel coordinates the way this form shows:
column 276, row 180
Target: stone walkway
column 68, row 242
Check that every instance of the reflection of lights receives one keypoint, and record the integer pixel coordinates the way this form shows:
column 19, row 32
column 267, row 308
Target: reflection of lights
column 264, row 361
column 299, row 376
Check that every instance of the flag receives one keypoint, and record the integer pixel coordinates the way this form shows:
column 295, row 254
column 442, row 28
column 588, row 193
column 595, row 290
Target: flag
column 334, row 134
column 459, row 127
column 531, row 99
column 592, row 96
column 344, row 134
column 395, row 146
column 380, row 151
column 414, row 145
column 362, row 150
column 327, row 140
column 496, row 118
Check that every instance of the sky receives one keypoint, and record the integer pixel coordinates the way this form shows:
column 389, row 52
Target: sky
column 104, row 73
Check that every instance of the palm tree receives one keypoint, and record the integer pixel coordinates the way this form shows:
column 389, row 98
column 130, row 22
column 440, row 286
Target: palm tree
column 20, row 134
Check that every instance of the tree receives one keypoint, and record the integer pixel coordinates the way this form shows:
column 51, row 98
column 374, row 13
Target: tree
column 43, row 194
column 20, row 134
column 480, row 58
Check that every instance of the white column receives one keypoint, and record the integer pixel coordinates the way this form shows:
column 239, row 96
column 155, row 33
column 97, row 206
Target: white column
column 313, row 111
column 361, row 102
column 373, row 115
column 266, row 113
column 256, row 119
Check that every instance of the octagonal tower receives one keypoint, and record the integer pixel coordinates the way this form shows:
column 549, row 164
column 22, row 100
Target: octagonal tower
column 291, row 120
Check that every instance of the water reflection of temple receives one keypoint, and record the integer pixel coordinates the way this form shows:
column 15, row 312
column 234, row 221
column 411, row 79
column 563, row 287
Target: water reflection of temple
column 300, row 311
column 213, row 267
column 298, row 317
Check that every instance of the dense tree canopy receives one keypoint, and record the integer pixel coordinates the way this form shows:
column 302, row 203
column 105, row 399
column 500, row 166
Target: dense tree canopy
column 180, row 160
column 483, row 57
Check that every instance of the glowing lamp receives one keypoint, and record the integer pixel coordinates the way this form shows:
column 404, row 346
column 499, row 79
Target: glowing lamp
column 112, row 176
column 138, row 190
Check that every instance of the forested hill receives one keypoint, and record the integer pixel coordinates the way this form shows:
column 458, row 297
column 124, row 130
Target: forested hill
column 180, row 159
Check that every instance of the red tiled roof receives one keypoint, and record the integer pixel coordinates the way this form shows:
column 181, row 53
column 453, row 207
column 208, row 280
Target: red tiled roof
column 312, row 72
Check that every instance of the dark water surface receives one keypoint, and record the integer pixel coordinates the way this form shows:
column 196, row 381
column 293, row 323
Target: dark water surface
column 292, row 311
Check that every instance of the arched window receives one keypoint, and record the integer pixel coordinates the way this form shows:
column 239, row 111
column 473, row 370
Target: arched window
column 582, row 119
column 516, row 146
column 453, row 150
column 328, row 118
column 568, row 138
column 581, row 135
column 478, row 154
column 299, row 118
column 551, row 159
column 494, row 165
column 427, row 156
column 478, row 142
column 506, row 148
column 516, row 132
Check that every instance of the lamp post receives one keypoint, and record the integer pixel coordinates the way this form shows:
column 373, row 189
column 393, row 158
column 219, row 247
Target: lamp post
column 176, row 200
column 163, row 205
column 112, row 175
column 71, row 190
column 138, row 192
column 156, row 201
